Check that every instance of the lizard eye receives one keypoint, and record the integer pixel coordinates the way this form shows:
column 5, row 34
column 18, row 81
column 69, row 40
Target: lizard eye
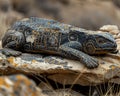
column 73, row 37
column 101, row 40
column 28, row 31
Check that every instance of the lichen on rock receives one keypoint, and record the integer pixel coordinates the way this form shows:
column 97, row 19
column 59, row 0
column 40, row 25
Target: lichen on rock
column 18, row 85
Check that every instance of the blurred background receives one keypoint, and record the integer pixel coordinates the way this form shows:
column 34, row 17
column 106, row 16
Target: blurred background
column 88, row 14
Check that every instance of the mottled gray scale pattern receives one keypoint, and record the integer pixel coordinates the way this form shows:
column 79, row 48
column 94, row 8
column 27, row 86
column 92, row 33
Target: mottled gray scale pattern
column 38, row 35
column 40, row 24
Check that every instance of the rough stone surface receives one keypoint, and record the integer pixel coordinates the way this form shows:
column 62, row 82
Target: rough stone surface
column 63, row 70
column 18, row 85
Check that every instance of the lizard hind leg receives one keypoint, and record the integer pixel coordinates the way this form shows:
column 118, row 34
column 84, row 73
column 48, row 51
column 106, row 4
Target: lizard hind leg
column 85, row 59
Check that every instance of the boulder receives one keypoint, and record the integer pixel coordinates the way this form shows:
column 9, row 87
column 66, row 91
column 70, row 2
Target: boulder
column 116, row 2
column 5, row 5
column 66, row 71
column 18, row 85
column 88, row 14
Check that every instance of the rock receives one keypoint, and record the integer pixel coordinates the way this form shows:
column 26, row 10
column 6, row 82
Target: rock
column 41, row 8
column 20, row 6
column 116, row 2
column 63, row 70
column 18, row 85
column 109, row 27
column 118, row 36
column 5, row 5
column 113, row 29
column 88, row 14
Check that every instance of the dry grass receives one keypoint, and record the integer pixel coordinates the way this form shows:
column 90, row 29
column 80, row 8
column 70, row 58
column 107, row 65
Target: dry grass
column 110, row 90
column 6, row 20
column 3, row 24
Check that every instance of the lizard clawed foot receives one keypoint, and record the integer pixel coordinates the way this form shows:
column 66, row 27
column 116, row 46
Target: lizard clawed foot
column 91, row 62
column 10, row 52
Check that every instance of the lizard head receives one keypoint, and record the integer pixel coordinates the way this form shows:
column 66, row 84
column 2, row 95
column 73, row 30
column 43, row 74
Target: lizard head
column 100, row 43
column 13, row 39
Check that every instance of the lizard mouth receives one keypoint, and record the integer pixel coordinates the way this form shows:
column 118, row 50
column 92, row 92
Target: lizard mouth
column 112, row 48
column 107, row 50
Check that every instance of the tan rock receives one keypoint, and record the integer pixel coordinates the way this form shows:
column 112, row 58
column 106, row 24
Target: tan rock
column 118, row 40
column 109, row 27
column 18, row 85
column 88, row 14
column 62, row 70
column 5, row 5
column 113, row 29
column 116, row 2
column 118, row 36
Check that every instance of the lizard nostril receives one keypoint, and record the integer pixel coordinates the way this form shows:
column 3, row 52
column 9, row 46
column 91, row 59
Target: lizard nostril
column 115, row 45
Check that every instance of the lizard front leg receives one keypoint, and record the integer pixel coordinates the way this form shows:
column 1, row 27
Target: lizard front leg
column 70, row 52
column 10, row 52
column 11, row 42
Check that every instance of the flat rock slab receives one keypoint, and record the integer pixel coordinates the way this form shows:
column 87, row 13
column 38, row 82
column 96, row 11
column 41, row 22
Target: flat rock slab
column 63, row 70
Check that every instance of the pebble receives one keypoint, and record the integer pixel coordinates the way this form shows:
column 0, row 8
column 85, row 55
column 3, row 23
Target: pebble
column 117, row 40
column 109, row 27
column 114, row 32
column 118, row 36
column 113, row 29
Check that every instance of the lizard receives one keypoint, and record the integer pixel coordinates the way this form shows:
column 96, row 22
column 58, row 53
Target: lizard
column 47, row 36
